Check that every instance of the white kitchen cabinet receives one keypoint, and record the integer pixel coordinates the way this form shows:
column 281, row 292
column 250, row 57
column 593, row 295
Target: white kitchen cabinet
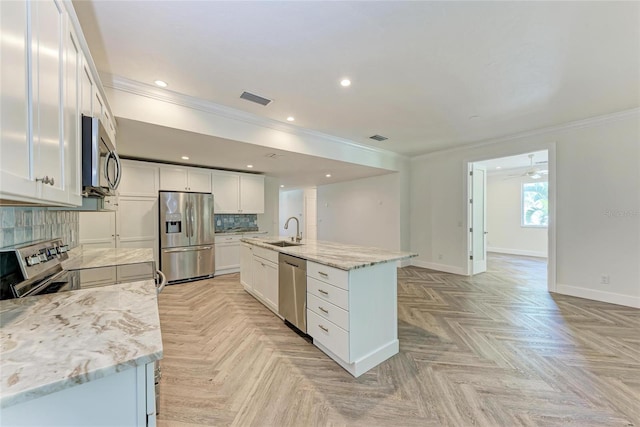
column 97, row 230
column 72, row 118
column 137, row 224
column 16, row 180
column 226, row 194
column 173, row 178
column 227, row 254
column 352, row 315
column 265, row 282
column 48, row 23
column 259, row 274
column 238, row 193
column 133, row 225
column 43, row 86
column 139, row 179
column 131, row 392
column 246, row 266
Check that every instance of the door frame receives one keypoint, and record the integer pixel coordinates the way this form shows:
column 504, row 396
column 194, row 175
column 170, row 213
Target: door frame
column 506, row 151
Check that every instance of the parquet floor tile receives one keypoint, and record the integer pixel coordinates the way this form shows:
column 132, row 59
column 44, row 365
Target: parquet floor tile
column 495, row 349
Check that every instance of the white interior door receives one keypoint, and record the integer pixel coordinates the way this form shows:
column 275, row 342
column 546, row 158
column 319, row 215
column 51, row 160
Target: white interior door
column 478, row 210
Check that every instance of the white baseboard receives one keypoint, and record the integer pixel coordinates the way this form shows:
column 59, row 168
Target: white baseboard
column 597, row 295
column 439, row 267
column 510, row 251
column 404, row 263
column 366, row 363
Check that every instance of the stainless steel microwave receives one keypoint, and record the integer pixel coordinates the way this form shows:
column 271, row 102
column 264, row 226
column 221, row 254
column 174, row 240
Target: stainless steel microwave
column 101, row 167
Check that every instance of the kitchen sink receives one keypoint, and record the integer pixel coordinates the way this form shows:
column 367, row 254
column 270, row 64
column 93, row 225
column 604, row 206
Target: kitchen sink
column 283, row 243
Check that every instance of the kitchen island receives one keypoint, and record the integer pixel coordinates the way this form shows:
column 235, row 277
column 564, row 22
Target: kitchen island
column 81, row 357
column 351, row 302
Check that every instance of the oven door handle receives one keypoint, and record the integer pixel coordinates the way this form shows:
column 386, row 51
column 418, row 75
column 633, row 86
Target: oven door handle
column 162, row 283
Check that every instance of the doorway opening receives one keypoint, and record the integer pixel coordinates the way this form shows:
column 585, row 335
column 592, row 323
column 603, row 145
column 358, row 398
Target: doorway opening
column 510, row 212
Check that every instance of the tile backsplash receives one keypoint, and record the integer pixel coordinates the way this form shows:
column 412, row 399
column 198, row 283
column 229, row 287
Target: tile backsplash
column 24, row 224
column 236, row 222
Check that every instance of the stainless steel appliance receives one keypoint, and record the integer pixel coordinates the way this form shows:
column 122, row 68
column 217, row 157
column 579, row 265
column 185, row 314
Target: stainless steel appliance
column 35, row 268
column 292, row 290
column 101, row 168
column 187, row 236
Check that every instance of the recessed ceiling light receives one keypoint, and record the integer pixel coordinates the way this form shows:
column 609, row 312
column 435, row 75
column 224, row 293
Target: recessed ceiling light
column 345, row 82
column 185, row 157
column 290, row 118
column 498, row 167
column 161, row 83
column 249, row 166
column 328, row 175
column 281, row 185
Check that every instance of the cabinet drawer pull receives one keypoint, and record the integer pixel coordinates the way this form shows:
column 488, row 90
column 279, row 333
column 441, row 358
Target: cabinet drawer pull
column 324, row 310
column 323, row 328
column 322, row 291
column 323, row 274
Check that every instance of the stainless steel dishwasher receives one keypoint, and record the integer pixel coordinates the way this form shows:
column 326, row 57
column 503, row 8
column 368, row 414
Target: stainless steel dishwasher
column 292, row 295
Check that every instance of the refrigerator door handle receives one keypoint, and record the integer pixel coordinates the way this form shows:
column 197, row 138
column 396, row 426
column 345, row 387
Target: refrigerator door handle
column 188, row 217
column 191, row 249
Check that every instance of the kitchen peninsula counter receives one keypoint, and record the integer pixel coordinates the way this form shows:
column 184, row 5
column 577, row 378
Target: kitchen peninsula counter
column 350, row 309
column 338, row 255
column 53, row 342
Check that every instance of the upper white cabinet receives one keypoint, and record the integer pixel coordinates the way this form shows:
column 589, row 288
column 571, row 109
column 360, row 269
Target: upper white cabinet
column 139, row 179
column 16, row 180
column 238, row 193
column 44, row 89
column 173, row 178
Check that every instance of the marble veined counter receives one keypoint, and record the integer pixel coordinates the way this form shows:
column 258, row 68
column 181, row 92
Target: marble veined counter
column 338, row 255
column 53, row 342
column 80, row 258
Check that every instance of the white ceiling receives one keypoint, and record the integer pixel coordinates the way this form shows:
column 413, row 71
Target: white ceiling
column 429, row 75
column 148, row 141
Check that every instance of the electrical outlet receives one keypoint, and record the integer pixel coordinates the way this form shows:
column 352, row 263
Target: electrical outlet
column 604, row 279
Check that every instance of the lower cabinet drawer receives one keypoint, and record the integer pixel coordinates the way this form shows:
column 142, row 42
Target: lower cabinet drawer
column 328, row 311
column 329, row 335
column 328, row 292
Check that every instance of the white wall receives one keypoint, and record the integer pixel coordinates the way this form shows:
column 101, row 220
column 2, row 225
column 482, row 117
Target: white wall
column 269, row 220
column 291, row 204
column 504, row 212
column 597, row 163
column 362, row 212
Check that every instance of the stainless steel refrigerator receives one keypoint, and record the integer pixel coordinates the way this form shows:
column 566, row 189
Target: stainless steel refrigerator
column 187, row 236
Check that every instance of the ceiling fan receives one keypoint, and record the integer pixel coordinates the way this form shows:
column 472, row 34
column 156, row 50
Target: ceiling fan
column 531, row 172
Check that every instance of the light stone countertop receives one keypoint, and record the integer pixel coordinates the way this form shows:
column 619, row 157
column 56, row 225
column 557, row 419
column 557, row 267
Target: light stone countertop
column 94, row 258
column 52, row 342
column 338, row 255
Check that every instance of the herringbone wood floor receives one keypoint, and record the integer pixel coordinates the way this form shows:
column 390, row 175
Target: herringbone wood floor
column 492, row 350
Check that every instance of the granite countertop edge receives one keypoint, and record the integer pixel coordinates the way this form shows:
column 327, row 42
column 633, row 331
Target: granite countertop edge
column 144, row 348
column 52, row 387
column 385, row 255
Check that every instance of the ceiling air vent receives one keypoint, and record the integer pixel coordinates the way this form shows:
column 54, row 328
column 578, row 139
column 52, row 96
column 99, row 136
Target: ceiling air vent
column 378, row 137
column 255, row 98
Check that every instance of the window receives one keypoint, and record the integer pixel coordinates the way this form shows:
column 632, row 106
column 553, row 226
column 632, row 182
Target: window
column 535, row 204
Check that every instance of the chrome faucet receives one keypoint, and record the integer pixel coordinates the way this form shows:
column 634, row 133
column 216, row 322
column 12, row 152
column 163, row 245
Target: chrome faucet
column 298, row 234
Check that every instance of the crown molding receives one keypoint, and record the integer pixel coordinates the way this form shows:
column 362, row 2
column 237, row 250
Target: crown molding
column 176, row 98
column 591, row 121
